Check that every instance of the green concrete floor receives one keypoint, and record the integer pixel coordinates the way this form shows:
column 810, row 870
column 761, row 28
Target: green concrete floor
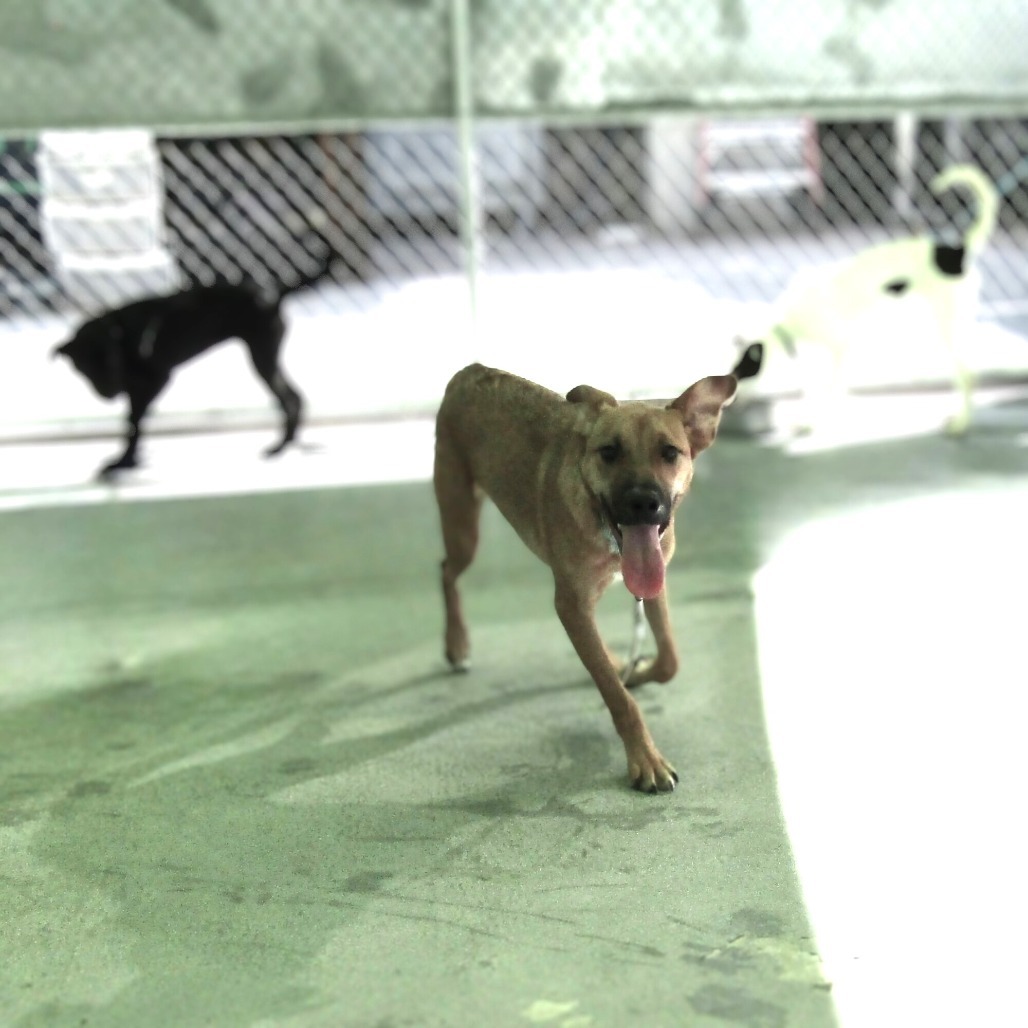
column 239, row 787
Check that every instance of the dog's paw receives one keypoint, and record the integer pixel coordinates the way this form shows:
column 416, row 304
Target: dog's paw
column 643, row 670
column 651, row 773
column 110, row 472
column 457, row 647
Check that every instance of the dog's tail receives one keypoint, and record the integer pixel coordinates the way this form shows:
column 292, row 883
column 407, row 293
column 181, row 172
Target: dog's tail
column 986, row 198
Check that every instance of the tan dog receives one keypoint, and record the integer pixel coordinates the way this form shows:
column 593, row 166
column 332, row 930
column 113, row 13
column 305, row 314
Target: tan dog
column 591, row 487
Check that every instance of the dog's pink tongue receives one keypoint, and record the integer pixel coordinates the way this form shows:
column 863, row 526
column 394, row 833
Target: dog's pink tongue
column 642, row 562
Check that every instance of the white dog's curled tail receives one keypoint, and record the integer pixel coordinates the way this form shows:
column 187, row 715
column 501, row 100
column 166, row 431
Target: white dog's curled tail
column 986, row 201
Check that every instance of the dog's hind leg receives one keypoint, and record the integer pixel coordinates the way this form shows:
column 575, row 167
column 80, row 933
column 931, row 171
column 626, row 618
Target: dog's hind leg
column 264, row 355
column 460, row 505
column 291, row 402
column 142, row 392
column 955, row 316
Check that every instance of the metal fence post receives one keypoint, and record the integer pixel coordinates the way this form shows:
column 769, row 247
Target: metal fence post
column 469, row 190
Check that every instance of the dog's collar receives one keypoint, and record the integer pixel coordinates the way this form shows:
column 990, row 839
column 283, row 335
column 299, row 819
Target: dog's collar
column 148, row 337
column 608, row 526
column 786, row 339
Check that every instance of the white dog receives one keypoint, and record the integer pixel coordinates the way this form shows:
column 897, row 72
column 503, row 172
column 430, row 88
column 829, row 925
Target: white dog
column 837, row 305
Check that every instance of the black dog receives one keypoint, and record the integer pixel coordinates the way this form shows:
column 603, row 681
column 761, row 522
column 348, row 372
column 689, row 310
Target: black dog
column 134, row 349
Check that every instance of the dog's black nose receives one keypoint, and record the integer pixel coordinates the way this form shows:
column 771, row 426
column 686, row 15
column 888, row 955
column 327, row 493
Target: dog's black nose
column 641, row 505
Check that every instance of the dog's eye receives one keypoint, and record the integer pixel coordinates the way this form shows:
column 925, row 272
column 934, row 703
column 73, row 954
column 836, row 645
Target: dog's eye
column 610, row 452
column 670, row 453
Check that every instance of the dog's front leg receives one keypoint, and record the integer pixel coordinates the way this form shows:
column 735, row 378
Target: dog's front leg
column 128, row 458
column 142, row 393
column 955, row 322
column 664, row 666
column 823, row 387
column 648, row 771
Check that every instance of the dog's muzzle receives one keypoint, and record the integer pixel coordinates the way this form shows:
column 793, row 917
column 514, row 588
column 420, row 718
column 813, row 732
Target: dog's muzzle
column 641, row 505
column 638, row 516
column 633, row 506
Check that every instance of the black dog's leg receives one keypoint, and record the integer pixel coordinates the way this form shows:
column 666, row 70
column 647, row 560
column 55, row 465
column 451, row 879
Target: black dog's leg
column 264, row 355
column 142, row 392
column 291, row 403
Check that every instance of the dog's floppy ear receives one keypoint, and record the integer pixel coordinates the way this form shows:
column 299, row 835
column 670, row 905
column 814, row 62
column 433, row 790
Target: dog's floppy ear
column 700, row 407
column 592, row 397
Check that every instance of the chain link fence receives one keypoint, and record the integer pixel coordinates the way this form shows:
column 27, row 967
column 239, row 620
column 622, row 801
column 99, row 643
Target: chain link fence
column 588, row 176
